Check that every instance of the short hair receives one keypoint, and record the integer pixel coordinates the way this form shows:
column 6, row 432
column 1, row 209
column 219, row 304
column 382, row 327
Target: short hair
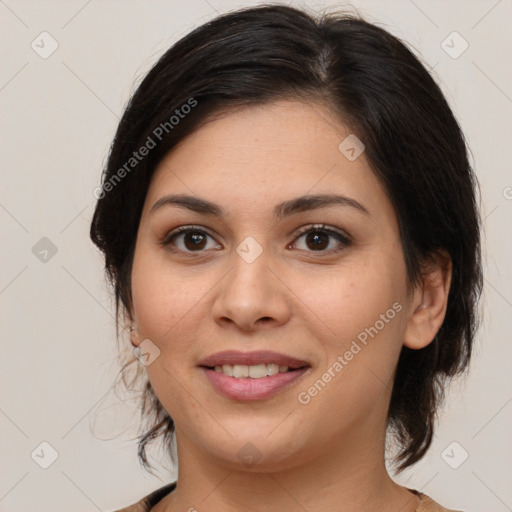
column 373, row 84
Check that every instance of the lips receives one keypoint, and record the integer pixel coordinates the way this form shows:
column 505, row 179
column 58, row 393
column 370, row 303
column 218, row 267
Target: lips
column 243, row 389
column 247, row 389
column 234, row 357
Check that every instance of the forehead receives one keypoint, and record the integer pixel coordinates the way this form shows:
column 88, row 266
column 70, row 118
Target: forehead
column 262, row 155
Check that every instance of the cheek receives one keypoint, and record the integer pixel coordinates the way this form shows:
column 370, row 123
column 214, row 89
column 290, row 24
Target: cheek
column 348, row 301
column 160, row 299
column 359, row 317
column 164, row 305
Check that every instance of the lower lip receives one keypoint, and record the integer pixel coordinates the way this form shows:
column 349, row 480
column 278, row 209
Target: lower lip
column 252, row 389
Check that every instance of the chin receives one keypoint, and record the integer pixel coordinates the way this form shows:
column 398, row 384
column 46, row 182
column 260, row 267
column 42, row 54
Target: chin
column 258, row 453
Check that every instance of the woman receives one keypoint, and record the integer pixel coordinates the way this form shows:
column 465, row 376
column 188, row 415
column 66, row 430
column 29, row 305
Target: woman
column 289, row 221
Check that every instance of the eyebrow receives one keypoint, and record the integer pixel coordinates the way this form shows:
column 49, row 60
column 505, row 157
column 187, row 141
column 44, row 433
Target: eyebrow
column 284, row 209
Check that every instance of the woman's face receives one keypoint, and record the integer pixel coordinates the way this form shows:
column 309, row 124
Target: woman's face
column 260, row 276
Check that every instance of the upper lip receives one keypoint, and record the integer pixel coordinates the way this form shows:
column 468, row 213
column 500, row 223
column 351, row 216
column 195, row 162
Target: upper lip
column 233, row 357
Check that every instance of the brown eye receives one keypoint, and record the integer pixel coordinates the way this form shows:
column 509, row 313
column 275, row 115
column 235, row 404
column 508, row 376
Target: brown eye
column 318, row 239
column 188, row 239
column 194, row 240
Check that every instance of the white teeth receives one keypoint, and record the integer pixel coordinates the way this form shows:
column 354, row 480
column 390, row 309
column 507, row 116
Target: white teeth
column 240, row 370
column 256, row 371
column 227, row 369
column 272, row 369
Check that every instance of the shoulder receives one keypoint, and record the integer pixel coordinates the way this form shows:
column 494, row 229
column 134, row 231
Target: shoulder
column 145, row 504
column 427, row 504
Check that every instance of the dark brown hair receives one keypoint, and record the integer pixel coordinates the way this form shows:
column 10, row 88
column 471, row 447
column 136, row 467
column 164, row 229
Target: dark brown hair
column 377, row 87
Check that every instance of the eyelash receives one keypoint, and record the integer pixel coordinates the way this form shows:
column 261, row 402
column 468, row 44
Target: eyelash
column 344, row 240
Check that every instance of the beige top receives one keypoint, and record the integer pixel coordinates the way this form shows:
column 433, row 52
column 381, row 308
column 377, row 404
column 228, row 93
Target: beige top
column 145, row 504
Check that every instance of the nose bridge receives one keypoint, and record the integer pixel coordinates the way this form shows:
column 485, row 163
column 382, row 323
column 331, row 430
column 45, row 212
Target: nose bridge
column 251, row 269
column 251, row 291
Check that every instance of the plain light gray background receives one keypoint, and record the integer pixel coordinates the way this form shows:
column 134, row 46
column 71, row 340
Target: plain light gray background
column 58, row 359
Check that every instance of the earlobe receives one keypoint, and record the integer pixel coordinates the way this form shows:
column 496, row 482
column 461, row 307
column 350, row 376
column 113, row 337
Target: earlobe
column 429, row 303
column 134, row 335
column 131, row 326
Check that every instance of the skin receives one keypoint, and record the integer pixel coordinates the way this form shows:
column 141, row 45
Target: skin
column 327, row 455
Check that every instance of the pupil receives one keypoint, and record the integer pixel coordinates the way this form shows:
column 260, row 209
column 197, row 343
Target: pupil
column 197, row 239
column 314, row 236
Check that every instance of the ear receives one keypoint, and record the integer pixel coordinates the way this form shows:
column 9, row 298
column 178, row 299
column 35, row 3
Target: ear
column 131, row 326
column 429, row 302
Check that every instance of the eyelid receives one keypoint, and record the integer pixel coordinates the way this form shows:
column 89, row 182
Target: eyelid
column 322, row 227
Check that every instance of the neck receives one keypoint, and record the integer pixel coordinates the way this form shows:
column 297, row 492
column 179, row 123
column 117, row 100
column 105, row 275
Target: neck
column 350, row 476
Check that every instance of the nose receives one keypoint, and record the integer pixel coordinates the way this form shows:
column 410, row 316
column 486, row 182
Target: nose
column 252, row 295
